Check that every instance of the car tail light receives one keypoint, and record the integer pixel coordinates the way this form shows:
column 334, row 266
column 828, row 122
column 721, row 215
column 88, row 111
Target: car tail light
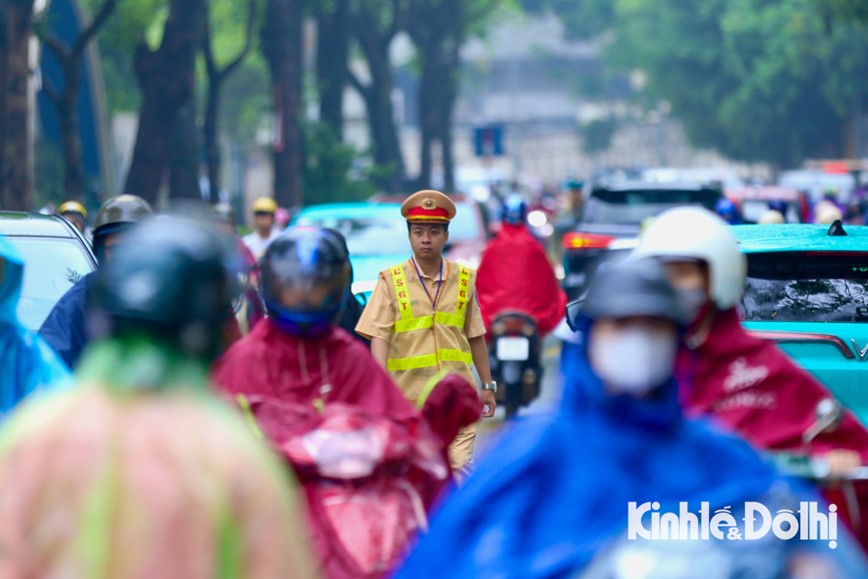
column 587, row 241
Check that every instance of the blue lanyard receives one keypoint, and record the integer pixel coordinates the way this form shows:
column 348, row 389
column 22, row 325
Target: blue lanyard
column 424, row 287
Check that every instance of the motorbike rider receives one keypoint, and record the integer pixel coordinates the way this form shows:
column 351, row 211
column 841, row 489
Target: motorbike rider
column 264, row 230
column 65, row 329
column 76, row 214
column 353, row 310
column 298, row 355
column 27, row 363
column 252, row 309
column 745, row 383
column 729, row 211
column 564, row 498
column 515, row 273
column 141, row 471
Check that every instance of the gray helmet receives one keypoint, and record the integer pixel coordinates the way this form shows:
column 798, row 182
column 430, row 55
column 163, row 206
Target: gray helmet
column 633, row 288
column 121, row 209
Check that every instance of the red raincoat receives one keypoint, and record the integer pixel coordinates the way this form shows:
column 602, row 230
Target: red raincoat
column 335, row 369
column 752, row 388
column 515, row 274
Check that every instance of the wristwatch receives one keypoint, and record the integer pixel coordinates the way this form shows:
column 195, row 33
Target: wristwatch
column 490, row 386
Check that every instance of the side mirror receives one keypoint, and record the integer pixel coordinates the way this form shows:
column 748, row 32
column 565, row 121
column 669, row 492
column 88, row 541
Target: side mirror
column 573, row 310
column 829, row 414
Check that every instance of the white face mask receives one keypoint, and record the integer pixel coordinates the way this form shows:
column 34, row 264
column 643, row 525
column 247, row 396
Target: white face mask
column 633, row 360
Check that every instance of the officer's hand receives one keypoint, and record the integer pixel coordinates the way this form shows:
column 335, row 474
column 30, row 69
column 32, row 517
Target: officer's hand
column 487, row 399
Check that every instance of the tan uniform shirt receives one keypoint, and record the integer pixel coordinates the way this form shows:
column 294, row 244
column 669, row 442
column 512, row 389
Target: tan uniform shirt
column 381, row 313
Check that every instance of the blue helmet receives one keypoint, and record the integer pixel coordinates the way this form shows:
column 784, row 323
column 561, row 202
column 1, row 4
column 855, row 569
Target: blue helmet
column 304, row 279
column 514, row 210
column 728, row 211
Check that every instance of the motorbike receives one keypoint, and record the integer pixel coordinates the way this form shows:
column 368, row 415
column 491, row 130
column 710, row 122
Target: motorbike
column 361, row 476
column 515, row 356
column 815, row 470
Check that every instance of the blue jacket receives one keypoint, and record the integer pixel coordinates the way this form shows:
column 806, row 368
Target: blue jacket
column 554, row 492
column 64, row 328
column 27, row 363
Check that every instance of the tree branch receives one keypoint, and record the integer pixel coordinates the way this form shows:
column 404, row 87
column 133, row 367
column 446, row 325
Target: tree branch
column 51, row 41
column 357, row 84
column 207, row 50
column 85, row 36
column 50, row 90
column 248, row 40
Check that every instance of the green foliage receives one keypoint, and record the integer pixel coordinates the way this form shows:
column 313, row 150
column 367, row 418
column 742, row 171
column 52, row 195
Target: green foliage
column 597, row 135
column 331, row 173
column 760, row 80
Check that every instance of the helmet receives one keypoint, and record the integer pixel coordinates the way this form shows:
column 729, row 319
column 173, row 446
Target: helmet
column 696, row 233
column 514, row 210
column 632, row 288
column 265, row 205
column 178, row 291
column 72, row 207
column 304, row 277
column 117, row 214
column 121, row 209
column 729, row 211
column 771, row 217
column 827, row 213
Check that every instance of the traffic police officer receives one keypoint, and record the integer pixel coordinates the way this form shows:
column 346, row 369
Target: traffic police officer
column 423, row 318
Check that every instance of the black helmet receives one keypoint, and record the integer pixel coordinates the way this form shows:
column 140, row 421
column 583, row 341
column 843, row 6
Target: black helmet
column 115, row 215
column 304, row 278
column 178, row 290
column 632, row 288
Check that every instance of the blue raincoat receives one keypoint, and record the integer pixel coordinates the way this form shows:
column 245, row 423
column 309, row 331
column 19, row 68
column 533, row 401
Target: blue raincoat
column 554, row 492
column 64, row 328
column 27, row 363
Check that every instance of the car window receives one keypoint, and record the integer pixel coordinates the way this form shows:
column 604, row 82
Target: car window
column 632, row 206
column 365, row 235
column 806, row 287
column 51, row 267
column 465, row 226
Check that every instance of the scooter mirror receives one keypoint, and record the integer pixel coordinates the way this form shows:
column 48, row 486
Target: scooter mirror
column 573, row 310
column 829, row 413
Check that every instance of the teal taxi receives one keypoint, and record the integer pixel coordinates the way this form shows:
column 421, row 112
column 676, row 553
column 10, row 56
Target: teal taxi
column 807, row 290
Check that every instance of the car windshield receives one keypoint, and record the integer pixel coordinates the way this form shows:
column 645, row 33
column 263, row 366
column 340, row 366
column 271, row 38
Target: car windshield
column 632, row 206
column 806, row 287
column 51, row 267
column 365, row 235
column 465, row 225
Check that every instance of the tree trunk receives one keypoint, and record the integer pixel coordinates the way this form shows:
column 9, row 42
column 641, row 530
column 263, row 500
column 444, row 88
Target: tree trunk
column 332, row 54
column 184, row 155
column 67, row 109
column 378, row 102
column 15, row 147
column 212, row 144
column 167, row 79
column 281, row 36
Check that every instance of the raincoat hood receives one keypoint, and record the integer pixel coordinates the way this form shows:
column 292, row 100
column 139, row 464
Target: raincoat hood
column 564, row 495
column 11, row 278
column 27, row 363
column 660, row 410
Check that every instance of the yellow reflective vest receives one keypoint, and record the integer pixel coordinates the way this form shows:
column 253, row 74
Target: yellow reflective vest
column 424, row 340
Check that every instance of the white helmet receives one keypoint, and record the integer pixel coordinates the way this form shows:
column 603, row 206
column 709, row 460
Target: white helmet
column 696, row 233
column 772, row 217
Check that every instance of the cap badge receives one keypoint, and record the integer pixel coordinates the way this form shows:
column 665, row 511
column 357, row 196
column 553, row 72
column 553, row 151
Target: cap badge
column 428, row 203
